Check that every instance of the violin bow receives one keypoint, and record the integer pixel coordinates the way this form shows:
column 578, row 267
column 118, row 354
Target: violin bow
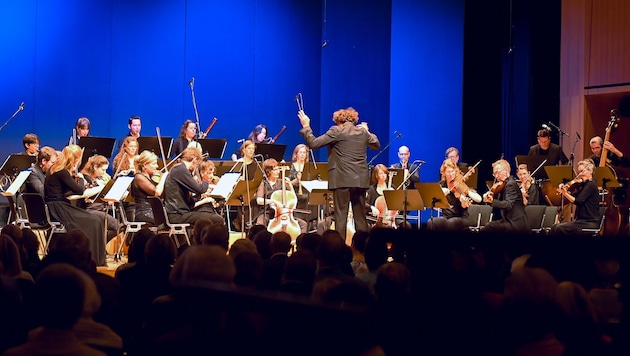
column 157, row 130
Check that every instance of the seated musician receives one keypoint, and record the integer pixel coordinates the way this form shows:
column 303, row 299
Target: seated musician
column 146, row 183
column 248, row 172
column 206, row 174
column 375, row 203
column 582, row 192
column 529, row 189
column 267, row 187
column 181, row 185
column 95, row 174
column 459, row 197
column 46, row 157
column 506, row 196
column 299, row 160
column 411, row 169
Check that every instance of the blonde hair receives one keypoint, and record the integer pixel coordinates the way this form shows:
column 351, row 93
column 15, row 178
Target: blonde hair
column 68, row 159
column 503, row 163
column 297, row 149
column 447, row 163
column 189, row 154
column 144, row 158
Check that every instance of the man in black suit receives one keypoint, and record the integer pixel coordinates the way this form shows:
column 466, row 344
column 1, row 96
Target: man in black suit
column 348, row 175
column 552, row 152
column 411, row 169
column 506, row 196
column 46, row 157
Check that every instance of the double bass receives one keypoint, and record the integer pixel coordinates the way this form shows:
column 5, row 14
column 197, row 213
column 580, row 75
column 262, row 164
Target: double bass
column 284, row 202
column 612, row 223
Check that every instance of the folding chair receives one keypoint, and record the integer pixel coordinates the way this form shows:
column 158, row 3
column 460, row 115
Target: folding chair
column 161, row 218
column 39, row 218
column 474, row 217
column 535, row 217
column 131, row 227
column 550, row 218
column 597, row 231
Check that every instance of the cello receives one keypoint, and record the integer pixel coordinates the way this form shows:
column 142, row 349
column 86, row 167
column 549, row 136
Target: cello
column 612, row 223
column 284, row 202
column 386, row 217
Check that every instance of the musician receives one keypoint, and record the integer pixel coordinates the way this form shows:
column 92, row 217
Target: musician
column 187, row 134
column 267, row 187
column 452, row 153
column 95, row 174
column 408, row 167
column 61, row 178
column 34, row 183
column 552, row 152
column 379, row 183
column 586, row 199
column 135, row 125
column 529, row 189
column 258, row 135
column 206, row 174
column 147, row 182
column 506, row 196
column 299, row 161
column 124, row 160
column 31, row 144
column 81, row 129
column 454, row 218
column 615, row 157
column 248, row 172
column 179, row 186
column 348, row 176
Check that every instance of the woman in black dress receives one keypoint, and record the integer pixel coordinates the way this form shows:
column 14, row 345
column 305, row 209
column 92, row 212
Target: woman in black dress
column 62, row 178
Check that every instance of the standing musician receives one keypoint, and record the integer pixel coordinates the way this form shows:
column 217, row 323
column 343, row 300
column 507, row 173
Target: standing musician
column 348, row 176
column 95, row 174
column 187, row 134
column 124, row 162
column 583, row 192
column 179, row 185
column 267, row 187
column 615, row 156
column 403, row 163
column 63, row 177
column 506, row 195
column 147, row 182
column 552, row 152
column 528, row 187
column 458, row 195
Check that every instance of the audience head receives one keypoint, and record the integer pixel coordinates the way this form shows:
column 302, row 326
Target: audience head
column 280, row 243
column 60, row 295
column 160, row 251
column 10, row 262
column 199, row 264
column 197, row 233
column 392, row 282
column 262, row 241
column 254, row 230
column 308, row 241
column 332, row 249
column 240, row 245
column 249, row 269
column 216, row 235
column 72, row 247
column 138, row 244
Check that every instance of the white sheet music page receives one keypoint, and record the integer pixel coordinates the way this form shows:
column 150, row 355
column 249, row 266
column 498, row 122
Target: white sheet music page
column 225, row 186
column 17, row 183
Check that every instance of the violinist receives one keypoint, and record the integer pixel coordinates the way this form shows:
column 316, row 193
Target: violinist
column 146, row 182
column 458, row 195
column 124, row 160
column 583, row 192
column 180, row 187
column 187, row 134
column 506, row 196
column 60, row 180
column 528, row 187
column 206, row 174
column 265, row 190
column 95, row 174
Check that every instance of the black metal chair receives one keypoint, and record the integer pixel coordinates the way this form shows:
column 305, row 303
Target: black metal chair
column 535, row 217
column 39, row 218
column 550, row 219
column 598, row 230
column 479, row 215
column 161, row 219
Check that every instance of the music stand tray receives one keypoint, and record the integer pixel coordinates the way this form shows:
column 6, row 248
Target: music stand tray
column 559, row 174
column 395, row 200
column 398, row 176
column 532, row 163
column 240, row 190
column 432, row 195
column 214, row 147
column 267, row 150
column 222, row 167
column 17, row 163
column 605, row 175
column 312, row 173
column 150, row 143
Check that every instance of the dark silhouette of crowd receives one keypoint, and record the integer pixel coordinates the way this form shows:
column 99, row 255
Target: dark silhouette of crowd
column 392, row 292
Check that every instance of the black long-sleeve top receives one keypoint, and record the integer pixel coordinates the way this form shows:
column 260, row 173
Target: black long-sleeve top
column 587, row 202
column 179, row 184
column 58, row 184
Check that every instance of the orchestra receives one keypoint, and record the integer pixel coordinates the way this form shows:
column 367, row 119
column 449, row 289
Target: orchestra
column 191, row 187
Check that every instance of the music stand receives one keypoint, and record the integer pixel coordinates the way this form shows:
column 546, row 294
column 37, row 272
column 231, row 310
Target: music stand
column 605, row 178
column 151, row 143
column 432, row 196
column 558, row 175
column 214, row 147
column 241, row 192
column 222, row 167
column 532, row 163
column 403, row 200
column 398, row 176
column 311, row 173
column 93, row 146
column 271, row 150
column 17, row 163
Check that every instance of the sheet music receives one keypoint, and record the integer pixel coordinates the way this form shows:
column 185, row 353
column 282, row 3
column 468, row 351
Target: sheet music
column 86, row 193
column 119, row 189
column 225, row 186
column 17, row 183
column 314, row 184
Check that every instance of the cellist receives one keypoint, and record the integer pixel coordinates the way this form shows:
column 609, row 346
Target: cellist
column 267, row 187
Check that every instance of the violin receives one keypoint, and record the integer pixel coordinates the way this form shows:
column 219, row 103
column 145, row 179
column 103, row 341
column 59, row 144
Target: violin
column 572, row 186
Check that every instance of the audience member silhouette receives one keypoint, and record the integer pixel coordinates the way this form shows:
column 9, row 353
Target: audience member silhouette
column 299, row 273
column 308, row 241
column 240, row 245
column 197, row 233
column 273, row 268
column 249, row 269
column 262, row 241
column 31, row 245
column 216, row 235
